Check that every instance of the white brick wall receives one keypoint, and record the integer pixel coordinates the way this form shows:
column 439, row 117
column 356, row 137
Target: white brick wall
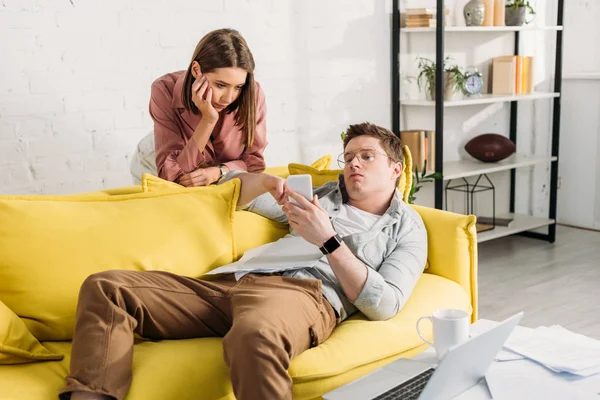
column 75, row 78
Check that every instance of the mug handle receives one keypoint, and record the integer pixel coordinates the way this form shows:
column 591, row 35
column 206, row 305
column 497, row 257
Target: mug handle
column 419, row 331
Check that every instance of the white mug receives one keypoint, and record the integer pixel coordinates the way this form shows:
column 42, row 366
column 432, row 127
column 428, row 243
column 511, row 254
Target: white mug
column 450, row 328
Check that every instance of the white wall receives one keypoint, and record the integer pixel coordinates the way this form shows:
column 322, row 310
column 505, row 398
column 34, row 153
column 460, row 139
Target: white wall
column 75, row 78
column 579, row 193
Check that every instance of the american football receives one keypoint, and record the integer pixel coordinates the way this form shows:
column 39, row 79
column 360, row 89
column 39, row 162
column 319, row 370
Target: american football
column 490, row 147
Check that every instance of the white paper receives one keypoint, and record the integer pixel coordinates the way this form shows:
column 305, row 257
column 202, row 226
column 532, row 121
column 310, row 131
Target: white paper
column 526, row 380
column 559, row 349
column 283, row 255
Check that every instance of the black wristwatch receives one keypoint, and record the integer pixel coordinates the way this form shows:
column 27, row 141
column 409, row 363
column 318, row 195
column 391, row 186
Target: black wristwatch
column 331, row 244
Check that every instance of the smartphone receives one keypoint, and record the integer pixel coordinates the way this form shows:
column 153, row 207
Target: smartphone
column 301, row 184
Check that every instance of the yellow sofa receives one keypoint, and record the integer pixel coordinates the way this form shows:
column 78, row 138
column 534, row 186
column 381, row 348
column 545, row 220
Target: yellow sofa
column 49, row 244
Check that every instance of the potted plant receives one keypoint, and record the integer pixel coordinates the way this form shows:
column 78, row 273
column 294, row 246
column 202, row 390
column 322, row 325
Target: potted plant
column 418, row 181
column 454, row 78
column 516, row 11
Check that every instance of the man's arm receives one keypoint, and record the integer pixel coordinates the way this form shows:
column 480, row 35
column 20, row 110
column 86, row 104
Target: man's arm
column 313, row 224
column 381, row 294
column 387, row 290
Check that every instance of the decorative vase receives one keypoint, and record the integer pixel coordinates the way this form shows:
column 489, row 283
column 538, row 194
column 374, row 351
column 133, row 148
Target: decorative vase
column 474, row 13
column 515, row 16
column 488, row 14
column 449, row 88
column 499, row 12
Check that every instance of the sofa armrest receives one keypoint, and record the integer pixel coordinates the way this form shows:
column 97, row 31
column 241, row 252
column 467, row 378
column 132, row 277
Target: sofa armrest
column 452, row 249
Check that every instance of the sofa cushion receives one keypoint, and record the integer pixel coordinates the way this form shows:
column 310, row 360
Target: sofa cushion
column 152, row 183
column 194, row 368
column 50, row 244
column 358, row 341
column 17, row 344
column 321, row 177
column 252, row 230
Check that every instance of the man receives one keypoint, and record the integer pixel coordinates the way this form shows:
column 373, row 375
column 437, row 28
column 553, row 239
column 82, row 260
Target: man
column 267, row 319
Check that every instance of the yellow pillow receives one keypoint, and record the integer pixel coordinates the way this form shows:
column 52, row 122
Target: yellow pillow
column 321, row 177
column 151, row 183
column 50, row 244
column 17, row 344
column 114, row 192
column 323, row 162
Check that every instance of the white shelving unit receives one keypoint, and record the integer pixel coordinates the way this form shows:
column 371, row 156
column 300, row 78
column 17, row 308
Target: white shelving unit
column 470, row 167
column 482, row 99
column 466, row 168
column 521, row 223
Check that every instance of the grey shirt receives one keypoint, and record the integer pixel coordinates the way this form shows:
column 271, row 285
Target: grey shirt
column 394, row 251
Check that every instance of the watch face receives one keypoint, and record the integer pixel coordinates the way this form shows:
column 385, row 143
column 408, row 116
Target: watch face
column 474, row 84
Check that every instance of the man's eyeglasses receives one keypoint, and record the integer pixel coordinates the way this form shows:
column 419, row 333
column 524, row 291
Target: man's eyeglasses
column 365, row 156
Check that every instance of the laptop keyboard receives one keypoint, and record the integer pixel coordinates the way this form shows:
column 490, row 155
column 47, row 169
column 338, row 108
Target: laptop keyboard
column 408, row 390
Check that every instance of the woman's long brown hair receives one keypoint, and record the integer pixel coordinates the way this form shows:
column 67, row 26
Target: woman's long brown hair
column 225, row 48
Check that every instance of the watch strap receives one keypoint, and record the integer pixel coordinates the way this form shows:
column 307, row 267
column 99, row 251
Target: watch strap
column 331, row 244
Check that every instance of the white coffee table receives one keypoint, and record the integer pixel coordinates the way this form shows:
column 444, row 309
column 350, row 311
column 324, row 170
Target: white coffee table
column 528, row 380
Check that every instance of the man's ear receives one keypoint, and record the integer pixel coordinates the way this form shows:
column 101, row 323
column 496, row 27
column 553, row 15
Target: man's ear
column 398, row 168
column 196, row 69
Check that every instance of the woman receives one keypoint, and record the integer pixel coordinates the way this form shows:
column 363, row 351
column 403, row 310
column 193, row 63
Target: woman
column 210, row 119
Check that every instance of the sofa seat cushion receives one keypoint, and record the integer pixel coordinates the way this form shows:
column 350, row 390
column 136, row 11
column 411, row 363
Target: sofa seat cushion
column 191, row 369
column 358, row 341
column 194, row 368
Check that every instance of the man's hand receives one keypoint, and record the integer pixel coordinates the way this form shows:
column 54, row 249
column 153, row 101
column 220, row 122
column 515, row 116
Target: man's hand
column 310, row 219
column 200, row 177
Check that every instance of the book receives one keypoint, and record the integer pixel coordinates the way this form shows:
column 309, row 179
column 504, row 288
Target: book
column 430, row 24
column 504, row 75
column 421, row 144
column 512, row 75
column 420, row 11
column 500, row 221
column 483, row 227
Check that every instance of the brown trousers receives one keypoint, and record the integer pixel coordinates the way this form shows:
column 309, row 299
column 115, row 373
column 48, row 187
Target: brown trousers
column 265, row 321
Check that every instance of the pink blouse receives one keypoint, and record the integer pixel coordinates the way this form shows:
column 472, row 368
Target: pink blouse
column 176, row 151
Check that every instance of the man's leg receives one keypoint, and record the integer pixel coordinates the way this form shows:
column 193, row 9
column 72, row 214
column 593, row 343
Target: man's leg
column 113, row 305
column 275, row 318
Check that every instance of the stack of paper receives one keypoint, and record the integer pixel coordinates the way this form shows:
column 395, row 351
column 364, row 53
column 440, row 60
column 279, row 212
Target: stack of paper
column 558, row 349
column 283, row 255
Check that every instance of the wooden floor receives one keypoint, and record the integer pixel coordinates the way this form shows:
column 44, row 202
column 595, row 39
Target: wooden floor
column 553, row 283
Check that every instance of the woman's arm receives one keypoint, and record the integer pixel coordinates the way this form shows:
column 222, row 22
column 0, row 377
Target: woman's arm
column 252, row 159
column 174, row 157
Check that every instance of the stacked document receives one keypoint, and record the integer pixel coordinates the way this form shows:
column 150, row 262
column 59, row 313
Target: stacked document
column 289, row 253
column 558, row 349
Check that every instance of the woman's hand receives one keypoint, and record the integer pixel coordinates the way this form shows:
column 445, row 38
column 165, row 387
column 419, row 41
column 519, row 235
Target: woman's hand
column 202, row 98
column 277, row 186
column 200, row 177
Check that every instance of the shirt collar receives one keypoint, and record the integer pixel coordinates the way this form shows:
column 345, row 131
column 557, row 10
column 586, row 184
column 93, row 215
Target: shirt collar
column 177, row 90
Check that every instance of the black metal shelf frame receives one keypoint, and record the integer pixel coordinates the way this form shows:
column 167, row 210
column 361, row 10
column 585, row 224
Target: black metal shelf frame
column 439, row 110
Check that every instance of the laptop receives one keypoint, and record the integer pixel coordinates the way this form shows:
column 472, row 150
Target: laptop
column 462, row 367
